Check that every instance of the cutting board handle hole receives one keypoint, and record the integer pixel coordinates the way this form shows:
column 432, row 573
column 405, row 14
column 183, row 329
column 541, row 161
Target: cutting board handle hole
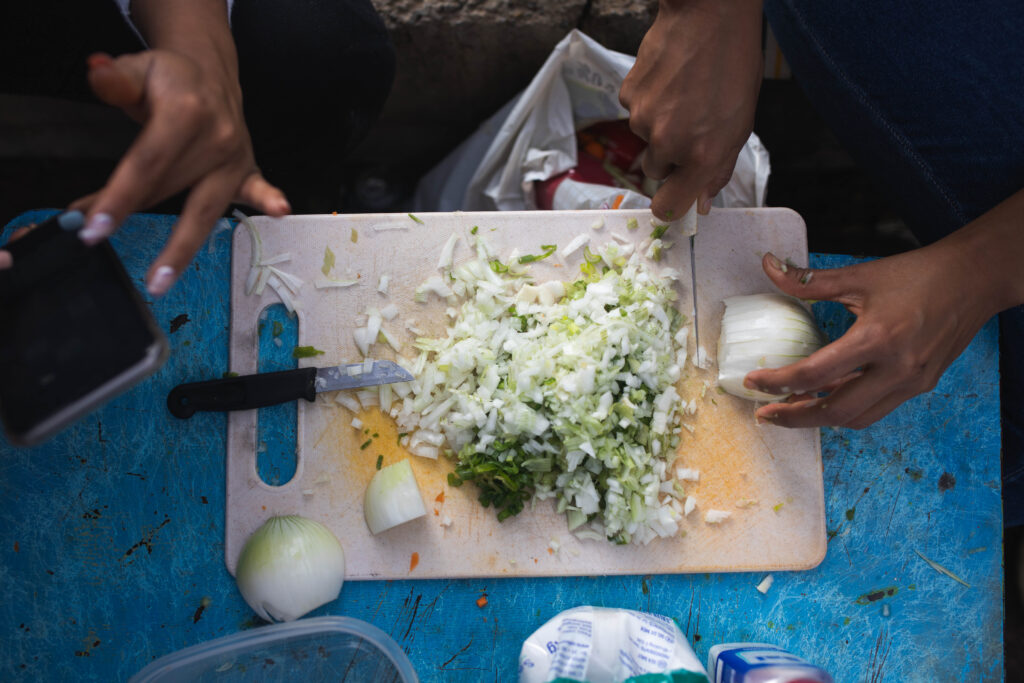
column 278, row 334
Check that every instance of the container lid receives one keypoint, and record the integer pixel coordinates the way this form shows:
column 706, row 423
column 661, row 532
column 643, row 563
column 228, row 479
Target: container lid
column 321, row 648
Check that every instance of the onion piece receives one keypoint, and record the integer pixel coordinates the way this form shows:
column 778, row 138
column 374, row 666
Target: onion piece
column 448, row 252
column 382, row 283
column 716, row 516
column 292, row 282
column 392, row 498
column 575, row 244
column 290, row 566
column 763, row 331
column 328, row 283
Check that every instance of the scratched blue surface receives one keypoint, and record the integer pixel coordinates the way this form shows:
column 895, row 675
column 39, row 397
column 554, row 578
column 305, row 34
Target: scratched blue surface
column 113, row 536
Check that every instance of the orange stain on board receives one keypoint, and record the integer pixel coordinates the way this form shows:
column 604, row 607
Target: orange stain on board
column 413, row 561
column 440, row 497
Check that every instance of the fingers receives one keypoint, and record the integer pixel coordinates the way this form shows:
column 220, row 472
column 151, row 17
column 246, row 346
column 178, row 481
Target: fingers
column 855, row 404
column 204, row 206
column 5, row 259
column 829, row 366
column 83, row 204
column 835, row 284
column 119, row 83
column 675, row 197
column 262, row 196
column 137, row 177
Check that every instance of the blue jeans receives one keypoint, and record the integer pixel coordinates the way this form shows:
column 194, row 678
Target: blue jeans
column 929, row 98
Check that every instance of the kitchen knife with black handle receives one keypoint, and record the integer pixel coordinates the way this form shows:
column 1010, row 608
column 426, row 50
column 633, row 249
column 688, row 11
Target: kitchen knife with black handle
column 266, row 389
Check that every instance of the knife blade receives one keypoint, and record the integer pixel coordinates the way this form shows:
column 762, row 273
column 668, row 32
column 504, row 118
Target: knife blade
column 689, row 226
column 270, row 388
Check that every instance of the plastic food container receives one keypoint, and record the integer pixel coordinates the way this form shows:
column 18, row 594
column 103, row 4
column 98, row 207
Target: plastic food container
column 307, row 650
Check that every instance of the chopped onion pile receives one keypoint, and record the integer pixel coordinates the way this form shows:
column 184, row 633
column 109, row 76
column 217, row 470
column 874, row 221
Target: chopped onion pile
column 290, row 566
column 763, row 331
column 557, row 390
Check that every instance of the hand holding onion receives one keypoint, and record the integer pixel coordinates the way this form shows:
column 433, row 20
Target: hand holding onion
column 916, row 312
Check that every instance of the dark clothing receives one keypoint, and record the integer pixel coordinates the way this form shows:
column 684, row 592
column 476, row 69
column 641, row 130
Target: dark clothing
column 928, row 97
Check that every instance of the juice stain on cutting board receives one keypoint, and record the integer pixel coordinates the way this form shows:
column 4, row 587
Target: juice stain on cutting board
column 380, row 435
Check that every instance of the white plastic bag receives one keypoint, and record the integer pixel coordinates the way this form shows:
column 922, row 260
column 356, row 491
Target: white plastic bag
column 604, row 645
column 533, row 137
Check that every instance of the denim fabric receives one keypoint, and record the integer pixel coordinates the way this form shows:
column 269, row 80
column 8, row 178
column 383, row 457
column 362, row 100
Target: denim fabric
column 929, row 98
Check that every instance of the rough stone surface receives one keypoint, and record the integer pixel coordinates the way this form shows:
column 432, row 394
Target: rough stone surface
column 458, row 61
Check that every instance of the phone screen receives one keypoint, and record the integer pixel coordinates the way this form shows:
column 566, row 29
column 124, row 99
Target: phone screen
column 75, row 332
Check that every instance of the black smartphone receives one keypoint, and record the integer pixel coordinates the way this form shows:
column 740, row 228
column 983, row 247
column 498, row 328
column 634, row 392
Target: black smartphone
column 74, row 331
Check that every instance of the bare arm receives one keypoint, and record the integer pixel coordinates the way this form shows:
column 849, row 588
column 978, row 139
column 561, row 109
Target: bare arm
column 185, row 92
column 916, row 312
column 691, row 95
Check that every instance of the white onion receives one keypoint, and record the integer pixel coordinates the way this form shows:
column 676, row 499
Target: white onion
column 290, row 566
column 763, row 331
column 392, row 498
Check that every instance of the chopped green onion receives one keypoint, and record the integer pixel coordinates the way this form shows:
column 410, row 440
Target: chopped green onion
column 306, row 352
column 416, row 219
column 549, row 249
column 328, row 260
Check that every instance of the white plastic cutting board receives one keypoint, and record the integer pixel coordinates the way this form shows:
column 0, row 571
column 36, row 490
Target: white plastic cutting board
column 738, row 460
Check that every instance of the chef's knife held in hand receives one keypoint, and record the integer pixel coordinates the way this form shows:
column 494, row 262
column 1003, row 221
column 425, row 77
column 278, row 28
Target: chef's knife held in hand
column 266, row 389
column 688, row 226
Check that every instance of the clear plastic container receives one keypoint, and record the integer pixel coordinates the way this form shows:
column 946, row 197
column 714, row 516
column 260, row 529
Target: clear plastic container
column 307, row 650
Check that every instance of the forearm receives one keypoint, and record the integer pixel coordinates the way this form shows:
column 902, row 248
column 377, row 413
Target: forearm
column 989, row 252
column 197, row 28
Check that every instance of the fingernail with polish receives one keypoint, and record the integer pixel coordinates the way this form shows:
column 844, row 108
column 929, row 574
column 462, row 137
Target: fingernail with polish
column 99, row 227
column 98, row 60
column 5, row 260
column 705, row 206
column 775, row 263
column 161, row 281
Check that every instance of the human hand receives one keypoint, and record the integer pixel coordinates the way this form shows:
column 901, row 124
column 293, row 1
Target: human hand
column 691, row 95
column 916, row 312
column 193, row 136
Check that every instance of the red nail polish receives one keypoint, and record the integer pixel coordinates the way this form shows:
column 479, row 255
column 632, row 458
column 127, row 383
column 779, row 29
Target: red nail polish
column 99, row 60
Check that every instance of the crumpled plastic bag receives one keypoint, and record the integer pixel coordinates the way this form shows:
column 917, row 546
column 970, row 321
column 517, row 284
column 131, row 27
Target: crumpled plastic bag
column 604, row 645
column 533, row 138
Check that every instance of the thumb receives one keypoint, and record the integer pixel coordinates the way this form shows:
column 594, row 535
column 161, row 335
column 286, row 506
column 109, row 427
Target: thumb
column 119, row 83
column 807, row 283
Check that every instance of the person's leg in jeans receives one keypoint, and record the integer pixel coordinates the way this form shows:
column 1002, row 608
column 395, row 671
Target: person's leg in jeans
column 928, row 98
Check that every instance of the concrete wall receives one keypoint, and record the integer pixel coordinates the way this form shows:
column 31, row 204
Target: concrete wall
column 458, row 61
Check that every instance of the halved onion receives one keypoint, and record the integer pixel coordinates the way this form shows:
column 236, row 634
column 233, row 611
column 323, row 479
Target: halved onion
column 763, row 331
column 392, row 498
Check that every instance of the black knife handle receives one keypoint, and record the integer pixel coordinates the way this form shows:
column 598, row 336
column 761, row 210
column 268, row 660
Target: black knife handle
column 242, row 393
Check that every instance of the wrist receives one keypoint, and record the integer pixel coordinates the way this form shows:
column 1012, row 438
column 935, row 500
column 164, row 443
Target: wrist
column 990, row 250
column 198, row 29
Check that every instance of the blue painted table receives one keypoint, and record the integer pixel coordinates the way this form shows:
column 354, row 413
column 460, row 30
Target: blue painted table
column 112, row 551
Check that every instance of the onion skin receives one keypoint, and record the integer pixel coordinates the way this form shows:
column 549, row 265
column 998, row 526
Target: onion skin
column 290, row 566
column 763, row 331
